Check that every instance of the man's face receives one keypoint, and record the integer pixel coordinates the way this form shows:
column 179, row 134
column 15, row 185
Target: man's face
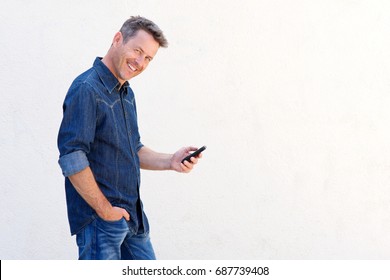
column 130, row 59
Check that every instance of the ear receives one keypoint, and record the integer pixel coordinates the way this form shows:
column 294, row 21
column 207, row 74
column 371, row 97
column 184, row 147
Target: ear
column 118, row 39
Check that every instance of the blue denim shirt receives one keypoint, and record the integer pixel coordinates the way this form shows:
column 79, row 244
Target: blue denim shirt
column 99, row 129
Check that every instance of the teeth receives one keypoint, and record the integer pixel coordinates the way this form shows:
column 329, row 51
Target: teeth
column 131, row 67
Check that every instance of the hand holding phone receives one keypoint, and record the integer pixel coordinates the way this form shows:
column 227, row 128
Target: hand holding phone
column 194, row 154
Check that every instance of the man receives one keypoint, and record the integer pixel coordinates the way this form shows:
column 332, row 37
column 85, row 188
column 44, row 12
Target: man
column 101, row 153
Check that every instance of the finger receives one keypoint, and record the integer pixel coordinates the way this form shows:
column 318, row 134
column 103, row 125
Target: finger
column 126, row 215
column 194, row 160
column 184, row 167
column 189, row 166
column 186, row 164
column 191, row 149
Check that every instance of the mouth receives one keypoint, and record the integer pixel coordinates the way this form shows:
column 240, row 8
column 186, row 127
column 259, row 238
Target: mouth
column 132, row 68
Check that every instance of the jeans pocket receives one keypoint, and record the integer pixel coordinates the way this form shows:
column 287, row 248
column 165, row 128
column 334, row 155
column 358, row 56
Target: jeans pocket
column 116, row 228
column 102, row 239
column 111, row 222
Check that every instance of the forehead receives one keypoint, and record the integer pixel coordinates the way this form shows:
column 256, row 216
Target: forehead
column 145, row 41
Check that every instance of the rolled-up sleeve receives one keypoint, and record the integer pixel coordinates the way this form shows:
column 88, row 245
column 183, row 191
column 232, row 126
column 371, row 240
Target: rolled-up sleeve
column 139, row 146
column 73, row 163
column 77, row 130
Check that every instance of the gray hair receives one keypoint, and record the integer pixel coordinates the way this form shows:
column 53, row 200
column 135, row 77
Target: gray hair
column 135, row 23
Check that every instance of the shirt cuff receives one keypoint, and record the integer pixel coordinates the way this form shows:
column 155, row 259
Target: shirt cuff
column 73, row 163
column 139, row 146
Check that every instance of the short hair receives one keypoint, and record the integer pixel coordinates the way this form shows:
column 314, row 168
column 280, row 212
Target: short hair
column 135, row 23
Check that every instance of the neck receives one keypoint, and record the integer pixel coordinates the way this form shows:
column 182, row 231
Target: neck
column 107, row 60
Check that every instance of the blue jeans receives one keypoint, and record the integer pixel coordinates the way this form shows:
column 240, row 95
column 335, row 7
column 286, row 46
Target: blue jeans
column 103, row 240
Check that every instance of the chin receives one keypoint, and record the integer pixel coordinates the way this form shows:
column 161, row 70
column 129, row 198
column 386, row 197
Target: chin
column 134, row 75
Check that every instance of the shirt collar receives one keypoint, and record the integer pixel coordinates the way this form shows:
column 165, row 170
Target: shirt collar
column 108, row 79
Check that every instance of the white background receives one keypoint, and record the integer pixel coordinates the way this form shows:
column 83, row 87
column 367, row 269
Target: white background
column 291, row 98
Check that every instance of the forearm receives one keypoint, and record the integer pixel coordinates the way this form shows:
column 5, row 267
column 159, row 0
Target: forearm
column 85, row 184
column 151, row 160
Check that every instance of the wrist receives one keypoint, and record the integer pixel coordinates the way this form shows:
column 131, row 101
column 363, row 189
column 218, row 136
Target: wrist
column 104, row 210
column 170, row 162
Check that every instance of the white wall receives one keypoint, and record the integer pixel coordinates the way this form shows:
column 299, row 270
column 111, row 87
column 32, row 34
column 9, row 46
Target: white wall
column 291, row 98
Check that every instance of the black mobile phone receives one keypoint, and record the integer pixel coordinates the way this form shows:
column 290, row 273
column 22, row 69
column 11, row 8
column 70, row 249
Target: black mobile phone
column 194, row 154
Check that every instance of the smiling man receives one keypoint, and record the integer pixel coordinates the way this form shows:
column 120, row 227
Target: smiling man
column 101, row 152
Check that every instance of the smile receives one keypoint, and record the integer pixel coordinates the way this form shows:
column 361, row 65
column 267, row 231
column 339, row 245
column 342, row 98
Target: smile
column 132, row 68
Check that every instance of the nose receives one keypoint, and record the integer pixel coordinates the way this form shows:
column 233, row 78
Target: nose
column 140, row 60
